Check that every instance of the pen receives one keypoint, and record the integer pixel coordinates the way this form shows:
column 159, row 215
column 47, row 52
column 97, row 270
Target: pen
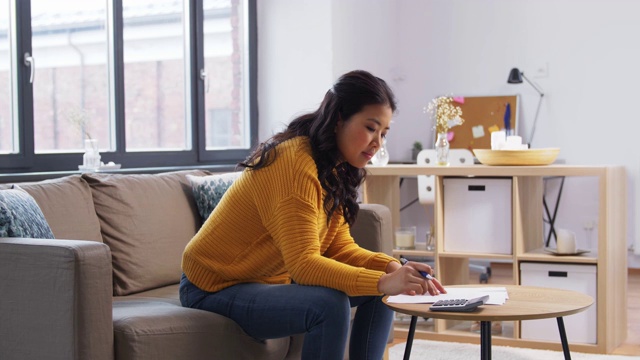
column 507, row 119
column 403, row 261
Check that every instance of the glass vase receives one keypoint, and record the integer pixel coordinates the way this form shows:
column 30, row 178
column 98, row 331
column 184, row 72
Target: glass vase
column 91, row 157
column 381, row 158
column 442, row 150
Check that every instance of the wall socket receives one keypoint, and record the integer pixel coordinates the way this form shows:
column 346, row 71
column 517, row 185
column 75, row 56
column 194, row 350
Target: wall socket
column 541, row 71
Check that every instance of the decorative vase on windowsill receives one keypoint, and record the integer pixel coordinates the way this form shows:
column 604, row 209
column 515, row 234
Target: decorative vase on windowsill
column 445, row 115
column 79, row 118
column 91, row 157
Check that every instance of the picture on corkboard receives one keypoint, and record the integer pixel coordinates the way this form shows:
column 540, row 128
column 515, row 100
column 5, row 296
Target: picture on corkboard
column 482, row 115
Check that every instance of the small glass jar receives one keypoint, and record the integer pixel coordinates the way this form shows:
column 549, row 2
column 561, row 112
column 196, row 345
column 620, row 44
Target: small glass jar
column 381, row 158
column 430, row 240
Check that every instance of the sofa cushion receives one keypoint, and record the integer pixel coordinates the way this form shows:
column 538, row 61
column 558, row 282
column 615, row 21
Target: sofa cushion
column 208, row 190
column 150, row 329
column 64, row 199
column 20, row 216
column 168, row 294
column 147, row 221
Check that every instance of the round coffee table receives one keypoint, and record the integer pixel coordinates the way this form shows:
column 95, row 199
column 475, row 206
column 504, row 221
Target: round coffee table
column 524, row 303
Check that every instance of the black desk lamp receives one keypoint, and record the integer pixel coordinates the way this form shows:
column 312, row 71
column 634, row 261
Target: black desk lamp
column 515, row 77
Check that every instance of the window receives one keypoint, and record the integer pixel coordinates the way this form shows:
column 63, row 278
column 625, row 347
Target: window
column 154, row 76
column 156, row 82
column 6, row 123
column 219, row 125
column 224, row 38
column 70, row 87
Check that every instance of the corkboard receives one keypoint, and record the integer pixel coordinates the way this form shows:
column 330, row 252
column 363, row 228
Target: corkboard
column 485, row 113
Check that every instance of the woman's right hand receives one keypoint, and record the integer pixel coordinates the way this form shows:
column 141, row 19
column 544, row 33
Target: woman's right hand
column 408, row 280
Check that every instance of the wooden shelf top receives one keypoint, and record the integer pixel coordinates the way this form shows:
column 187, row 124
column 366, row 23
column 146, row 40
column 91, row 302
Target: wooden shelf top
column 456, row 254
column 543, row 256
column 524, row 303
column 484, row 170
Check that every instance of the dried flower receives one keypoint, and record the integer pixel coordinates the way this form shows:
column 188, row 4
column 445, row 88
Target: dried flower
column 444, row 114
column 80, row 119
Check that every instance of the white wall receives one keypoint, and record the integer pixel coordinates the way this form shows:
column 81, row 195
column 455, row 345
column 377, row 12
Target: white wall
column 294, row 52
column 425, row 48
column 365, row 37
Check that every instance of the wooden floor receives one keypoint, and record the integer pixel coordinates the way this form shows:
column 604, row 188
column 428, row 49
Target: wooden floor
column 501, row 273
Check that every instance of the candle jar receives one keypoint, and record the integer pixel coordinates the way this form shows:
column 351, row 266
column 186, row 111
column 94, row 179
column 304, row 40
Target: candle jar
column 406, row 238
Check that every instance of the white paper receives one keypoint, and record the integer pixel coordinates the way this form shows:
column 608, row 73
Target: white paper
column 497, row 296
column 477, row 131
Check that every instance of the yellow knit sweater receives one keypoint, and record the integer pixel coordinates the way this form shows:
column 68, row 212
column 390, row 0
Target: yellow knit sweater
column 270, row 227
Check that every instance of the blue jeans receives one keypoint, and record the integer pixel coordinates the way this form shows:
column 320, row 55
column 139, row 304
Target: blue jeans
column 322, row 314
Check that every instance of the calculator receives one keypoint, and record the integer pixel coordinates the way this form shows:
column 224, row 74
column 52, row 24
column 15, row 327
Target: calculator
column 460, row 305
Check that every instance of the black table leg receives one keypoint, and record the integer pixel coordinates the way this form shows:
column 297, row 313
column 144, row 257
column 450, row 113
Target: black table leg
column 563, row 339
column 412, row 331
column 485, row 340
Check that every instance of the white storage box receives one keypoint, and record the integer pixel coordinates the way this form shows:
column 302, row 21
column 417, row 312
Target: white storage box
column 580, row 327
column 477, row 215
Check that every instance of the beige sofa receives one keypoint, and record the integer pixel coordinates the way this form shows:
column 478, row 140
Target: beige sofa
column 107, row 286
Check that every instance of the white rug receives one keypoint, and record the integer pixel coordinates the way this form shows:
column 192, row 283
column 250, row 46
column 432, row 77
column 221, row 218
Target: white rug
column 440, row 350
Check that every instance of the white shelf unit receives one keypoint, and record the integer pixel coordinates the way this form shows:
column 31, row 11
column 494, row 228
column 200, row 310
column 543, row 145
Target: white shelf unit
column 382, row 186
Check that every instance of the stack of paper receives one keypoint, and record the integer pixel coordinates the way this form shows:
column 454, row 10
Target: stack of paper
column 497, row 296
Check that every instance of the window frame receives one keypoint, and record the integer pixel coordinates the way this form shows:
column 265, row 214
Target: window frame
column 27, row 161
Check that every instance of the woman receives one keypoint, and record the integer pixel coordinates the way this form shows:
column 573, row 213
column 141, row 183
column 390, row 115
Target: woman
column 276, row 255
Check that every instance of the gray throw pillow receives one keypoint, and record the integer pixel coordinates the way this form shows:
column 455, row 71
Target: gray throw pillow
column 208, row 190
column 20, row 216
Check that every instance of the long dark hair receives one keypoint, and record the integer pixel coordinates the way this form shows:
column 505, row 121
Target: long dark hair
column 348, row 96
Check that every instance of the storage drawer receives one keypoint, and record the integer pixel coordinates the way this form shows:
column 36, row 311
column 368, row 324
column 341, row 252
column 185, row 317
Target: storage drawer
column 580, row 327
column 477, row 215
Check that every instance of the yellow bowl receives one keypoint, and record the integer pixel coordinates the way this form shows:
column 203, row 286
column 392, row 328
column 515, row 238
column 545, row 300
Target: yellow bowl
column 517, row 157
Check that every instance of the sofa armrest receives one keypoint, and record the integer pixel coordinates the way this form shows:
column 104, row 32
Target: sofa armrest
column 56, row 299
column 372, row 229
